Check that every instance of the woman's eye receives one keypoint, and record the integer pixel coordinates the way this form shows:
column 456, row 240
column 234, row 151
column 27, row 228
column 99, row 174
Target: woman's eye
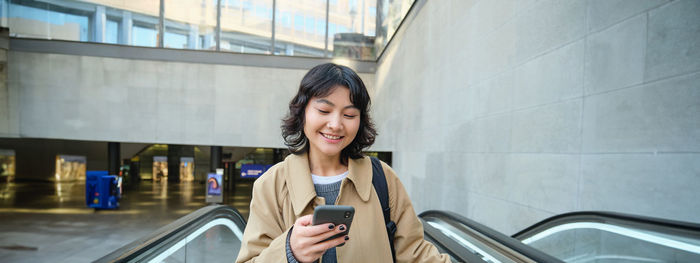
column 324, row 112
column 350, row 116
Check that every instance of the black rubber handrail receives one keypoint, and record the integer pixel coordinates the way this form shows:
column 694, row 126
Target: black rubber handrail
column 449, row 246
column 163, row 238
column 498, row 237
column 659, row 225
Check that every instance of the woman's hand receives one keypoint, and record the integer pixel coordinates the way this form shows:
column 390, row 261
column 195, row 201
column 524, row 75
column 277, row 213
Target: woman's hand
column 307, row 242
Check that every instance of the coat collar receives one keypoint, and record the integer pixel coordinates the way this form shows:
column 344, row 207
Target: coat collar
column 301, row 187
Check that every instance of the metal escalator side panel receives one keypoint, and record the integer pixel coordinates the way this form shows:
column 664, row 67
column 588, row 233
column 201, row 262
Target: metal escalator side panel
column 679, row 228
column 457, row 251
column 182, row 243
column 490, row 245
column 179, row 233
column 605, row 236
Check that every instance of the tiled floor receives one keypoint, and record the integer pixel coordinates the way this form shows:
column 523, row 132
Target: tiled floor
column 49, row 222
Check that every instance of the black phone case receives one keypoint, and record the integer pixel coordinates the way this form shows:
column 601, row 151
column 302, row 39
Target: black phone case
column 336, row 214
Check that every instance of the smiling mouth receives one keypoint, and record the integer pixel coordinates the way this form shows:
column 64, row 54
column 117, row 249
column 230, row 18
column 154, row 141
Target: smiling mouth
column 331, row 137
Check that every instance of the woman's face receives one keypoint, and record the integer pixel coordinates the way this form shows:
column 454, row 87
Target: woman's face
column 331, row 122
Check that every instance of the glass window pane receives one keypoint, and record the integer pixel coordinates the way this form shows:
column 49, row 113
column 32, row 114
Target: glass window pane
column 137, row 21
column 4, row 11
column 144, row 35
column 112, row 32
column 391, row 13
column 247, row 27
column 188, row 21
column 99, row 21
column 300, row 28
column 351, row 29
column 65, row 20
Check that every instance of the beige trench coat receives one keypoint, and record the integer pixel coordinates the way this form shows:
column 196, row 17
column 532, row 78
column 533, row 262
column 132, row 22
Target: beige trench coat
column 285, row 192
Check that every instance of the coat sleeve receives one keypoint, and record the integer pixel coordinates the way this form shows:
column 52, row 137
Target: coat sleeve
column 264, row 238
column 409, row 242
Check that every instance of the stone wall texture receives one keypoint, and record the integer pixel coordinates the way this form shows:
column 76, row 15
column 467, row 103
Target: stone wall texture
column 509, row 112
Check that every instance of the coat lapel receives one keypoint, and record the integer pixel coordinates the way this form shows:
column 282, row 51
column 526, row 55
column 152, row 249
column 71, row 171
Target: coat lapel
column 301, row 187
column 360, row 173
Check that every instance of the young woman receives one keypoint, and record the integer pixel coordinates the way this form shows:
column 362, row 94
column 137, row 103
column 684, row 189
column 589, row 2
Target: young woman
column 327, row 128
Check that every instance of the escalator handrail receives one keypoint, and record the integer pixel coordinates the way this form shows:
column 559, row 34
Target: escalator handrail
column 173, row 232
column 642, row 222
column 499, row 237
column 448, row 245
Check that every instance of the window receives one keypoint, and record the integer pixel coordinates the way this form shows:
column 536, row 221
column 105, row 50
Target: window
column 286, row 19
column 309, row 25
column 320, row 27
column 112, row 34
column 144, row 36
column 299, row 22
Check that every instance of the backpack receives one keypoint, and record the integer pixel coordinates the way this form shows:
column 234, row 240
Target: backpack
column 380, row 186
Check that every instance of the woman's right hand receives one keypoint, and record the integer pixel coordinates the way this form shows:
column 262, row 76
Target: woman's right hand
column 307, row 242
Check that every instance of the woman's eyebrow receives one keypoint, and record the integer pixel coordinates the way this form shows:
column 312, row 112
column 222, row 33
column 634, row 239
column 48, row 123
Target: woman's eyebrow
column 325, row 101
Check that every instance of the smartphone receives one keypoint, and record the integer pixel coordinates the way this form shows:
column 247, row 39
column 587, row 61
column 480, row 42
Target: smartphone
column 336, row 214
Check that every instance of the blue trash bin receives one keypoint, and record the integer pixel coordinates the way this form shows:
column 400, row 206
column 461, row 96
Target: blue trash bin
column 101, row 191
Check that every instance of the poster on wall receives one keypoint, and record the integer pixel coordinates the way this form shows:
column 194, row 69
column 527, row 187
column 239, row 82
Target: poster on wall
column 7, row 165
column 70, row 168
column 160, row 168
column 214, row 188
column 186, row 169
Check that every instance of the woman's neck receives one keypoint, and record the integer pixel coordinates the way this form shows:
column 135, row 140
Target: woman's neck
column 323, row 165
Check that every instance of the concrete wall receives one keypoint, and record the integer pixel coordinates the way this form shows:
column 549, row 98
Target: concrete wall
column 509, row 112
column 128, row 100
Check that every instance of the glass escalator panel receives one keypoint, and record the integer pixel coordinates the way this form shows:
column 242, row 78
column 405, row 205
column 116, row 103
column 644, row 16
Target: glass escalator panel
column 601, row 242
column 468, row 241
column 210, row 234
column 217, row 241
column 614, row 237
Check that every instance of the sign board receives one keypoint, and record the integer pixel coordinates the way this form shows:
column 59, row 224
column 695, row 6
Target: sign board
column 215, row 189
column 253, row 170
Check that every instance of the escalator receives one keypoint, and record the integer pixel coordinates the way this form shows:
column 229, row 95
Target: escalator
column 614, row 237
column 468, row 241
column 213, row 234
column 573, row 237
column 210, row 234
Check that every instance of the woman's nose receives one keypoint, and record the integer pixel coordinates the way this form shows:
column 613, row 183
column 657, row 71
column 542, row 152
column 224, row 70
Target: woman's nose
column 333, row 123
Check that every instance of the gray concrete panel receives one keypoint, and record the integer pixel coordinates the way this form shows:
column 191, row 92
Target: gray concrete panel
column 615, row 56
column 490, row 15
column 550, row 78
column 553, row 128
column 501, row 215
column 154, row 101
column 661, row 116
column 412, row 166
column 548, row 25
column 673, row 40
column 488, row 174
column 603, row 13
column 486, row 135
column 494, row 53
column 546, row 181
column 493, row 96
column 659, row 185
column 498, row 133
column 457, row 183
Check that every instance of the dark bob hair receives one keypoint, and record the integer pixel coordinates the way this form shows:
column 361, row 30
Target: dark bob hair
column 320, row 81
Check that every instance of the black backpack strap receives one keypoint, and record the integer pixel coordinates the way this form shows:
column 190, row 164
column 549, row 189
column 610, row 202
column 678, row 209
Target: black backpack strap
column 382, row 189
